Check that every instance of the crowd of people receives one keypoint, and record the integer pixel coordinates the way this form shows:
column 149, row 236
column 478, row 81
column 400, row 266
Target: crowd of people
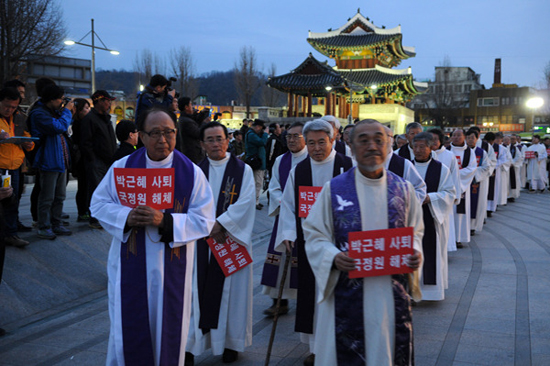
column 171, row 299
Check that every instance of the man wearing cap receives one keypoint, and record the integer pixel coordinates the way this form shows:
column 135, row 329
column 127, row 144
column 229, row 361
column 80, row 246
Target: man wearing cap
column 98, row 143
column 154, row 94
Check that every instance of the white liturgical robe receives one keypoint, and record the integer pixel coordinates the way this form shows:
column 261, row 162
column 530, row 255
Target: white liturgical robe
column 188, row 227
column 378, row 303
column 441, row 204
column 235, row 319
column 502, row 162
column 483, row 172
column 517, row 163
column 449, row 160
column 411, row 175
column 536, row 167
column 505, row 177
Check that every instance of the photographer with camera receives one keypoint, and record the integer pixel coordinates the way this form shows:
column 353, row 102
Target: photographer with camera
column 97, row 143
column 50, row 118
column 158, row 92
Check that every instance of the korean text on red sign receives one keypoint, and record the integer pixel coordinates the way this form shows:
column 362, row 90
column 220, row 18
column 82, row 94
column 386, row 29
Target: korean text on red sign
column 530, row 155
column 145, row 187
column 306, row 199
column 231, row 256
column 380, row 252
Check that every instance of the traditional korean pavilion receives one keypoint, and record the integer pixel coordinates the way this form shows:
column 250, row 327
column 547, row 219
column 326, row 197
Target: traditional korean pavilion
column 364, row 73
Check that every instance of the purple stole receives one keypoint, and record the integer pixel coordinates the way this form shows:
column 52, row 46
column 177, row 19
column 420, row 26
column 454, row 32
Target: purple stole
column 210, row 277
column 397, row 165
column 474, row 188
column 513, row 184
column 340, row 147
column 404, row 152
column 461, row 208
column 305, row 302
column 348, row 293
column 429, row 241
column 273, row 259
column 136, row 333
column 491, row 193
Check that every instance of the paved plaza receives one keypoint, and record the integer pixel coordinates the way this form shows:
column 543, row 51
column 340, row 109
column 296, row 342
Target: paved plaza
column 53, row 297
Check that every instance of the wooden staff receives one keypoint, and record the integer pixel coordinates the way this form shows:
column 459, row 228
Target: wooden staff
column 277, row 307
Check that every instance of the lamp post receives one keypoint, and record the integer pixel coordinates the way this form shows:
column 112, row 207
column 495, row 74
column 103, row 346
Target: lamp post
column 534, row 103
column 94, row 47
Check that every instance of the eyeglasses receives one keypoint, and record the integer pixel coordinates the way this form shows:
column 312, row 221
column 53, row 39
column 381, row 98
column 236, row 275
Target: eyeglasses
column 294, row 137
column 212, row 140
column 367, row 141
column 156, row 134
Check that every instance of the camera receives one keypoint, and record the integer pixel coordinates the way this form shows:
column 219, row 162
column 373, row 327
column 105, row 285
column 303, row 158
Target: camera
column 65, row 101
column 170, row 81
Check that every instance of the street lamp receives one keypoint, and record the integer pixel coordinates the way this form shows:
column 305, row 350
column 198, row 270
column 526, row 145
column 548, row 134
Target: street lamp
column 94, row 47
column 534, row 103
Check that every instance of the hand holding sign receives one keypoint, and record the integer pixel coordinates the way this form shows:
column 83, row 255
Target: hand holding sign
column 231, row 256
column 144, row 216
column 343, row 262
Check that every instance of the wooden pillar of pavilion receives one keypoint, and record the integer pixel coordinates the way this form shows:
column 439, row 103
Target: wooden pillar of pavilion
column 303, row 105
column 290, row 105
column 296, row 106
column 309, row 99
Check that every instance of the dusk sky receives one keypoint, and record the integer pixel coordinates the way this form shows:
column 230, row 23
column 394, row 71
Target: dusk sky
column 470, row 33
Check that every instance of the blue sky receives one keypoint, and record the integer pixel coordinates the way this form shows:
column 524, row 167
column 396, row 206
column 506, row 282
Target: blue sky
column 470, row 33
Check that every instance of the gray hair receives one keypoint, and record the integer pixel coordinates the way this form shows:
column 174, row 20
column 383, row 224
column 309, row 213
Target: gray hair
column 363, row 122
column 424, row 136
column 318, row 125
column 413, row 125
column 400, row 137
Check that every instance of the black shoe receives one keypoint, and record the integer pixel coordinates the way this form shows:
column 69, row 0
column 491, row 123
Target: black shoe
column 259, row 204
column 472, row 232
column 489, row 214
column 459, row 245
column 189, row 359
column 310, row 360
column 258, row 207
column 511, row 199
column 65, row 216
column 229, row 355
column 15, row 241
column 283, row 308
column 22, row 228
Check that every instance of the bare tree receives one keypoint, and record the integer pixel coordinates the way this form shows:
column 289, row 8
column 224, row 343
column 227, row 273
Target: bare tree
column 547, row 75
column 28, row 27
column 271, row 96
column 143, row 66
column 247, row 76
column 183, row 67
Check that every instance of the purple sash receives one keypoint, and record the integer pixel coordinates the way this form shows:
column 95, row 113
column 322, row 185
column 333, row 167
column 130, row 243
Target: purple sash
column 461, row 208
column 474, row 187
column 305, row 302
column 513, row 184
column 136, row 331
column 349, row 322
column 404, row 152
column 397, row 165
column 491, row 193
column 210, row 277
column 273, row 260
column 429, row 241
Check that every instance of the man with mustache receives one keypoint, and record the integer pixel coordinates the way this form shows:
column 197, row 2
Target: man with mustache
column 365, row 321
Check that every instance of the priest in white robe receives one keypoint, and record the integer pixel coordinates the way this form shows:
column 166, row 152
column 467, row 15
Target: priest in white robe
column 373, row 312
column 322, row 164
column 515, row 168
column 440, row 153
column 221, row 317
column 406, row 151
column 272, row 271
column 404, row 168
column 437, row 206
column 467, row 163
column 150, row 264
column 536, row 168
column 505, row 170
column 480, row 184
column 495, row 182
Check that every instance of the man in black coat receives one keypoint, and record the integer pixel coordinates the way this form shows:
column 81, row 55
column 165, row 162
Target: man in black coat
column 98, row 143
column 127, row 134
column 189, row 132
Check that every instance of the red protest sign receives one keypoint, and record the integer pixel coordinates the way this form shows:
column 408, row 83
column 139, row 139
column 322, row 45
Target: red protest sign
column 308, row 196
column 530, row 155
column 380, row 252
column 231, row 256
column 458, row 161
column 145, row 187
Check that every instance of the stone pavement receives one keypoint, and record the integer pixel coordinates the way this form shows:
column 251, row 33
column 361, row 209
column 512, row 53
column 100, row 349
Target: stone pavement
column 53, row 298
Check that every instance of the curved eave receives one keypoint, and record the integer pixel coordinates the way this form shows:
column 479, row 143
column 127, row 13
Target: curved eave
column 350, row 22
column 352, row 42
column 296, row 83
